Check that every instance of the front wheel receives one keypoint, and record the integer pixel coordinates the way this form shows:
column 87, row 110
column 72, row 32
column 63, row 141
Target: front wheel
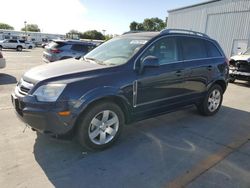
column 19, row 48
column 100, row 126
column 212, row 102
column 1, row 48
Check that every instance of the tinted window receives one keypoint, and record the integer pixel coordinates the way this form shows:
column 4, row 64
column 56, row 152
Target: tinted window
column 79, row 48
column 22, row 41
column 193, row 48
column 164, row 49
column 213, row 50
column 12, row 41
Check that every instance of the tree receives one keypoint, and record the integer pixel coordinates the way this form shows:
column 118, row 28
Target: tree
column 73, row 34
column 149, row 24
column 92, row 34
column 31, row 27
column 133, row 26
column 154, row 24
column 6, row 26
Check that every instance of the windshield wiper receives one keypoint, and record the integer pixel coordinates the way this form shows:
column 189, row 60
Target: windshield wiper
column 95, row 60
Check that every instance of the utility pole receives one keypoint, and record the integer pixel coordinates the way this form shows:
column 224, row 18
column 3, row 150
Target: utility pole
column 25, row 27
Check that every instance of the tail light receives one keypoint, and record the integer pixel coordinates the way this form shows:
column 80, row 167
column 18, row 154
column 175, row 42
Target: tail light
column 55, row 51
column 1, row 55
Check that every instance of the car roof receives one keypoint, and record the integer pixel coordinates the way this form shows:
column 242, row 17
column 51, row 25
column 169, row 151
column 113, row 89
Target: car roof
column 140, row 34
column 74, row 42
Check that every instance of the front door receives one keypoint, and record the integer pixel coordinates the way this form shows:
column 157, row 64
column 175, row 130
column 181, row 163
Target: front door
column 161, row 86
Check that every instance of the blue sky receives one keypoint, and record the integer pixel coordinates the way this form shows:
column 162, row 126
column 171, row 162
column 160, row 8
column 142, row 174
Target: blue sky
column 60, row 16
column 120, row 13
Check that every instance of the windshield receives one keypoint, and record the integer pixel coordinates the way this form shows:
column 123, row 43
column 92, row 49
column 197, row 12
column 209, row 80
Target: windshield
column 247, row 52
column 116, row 51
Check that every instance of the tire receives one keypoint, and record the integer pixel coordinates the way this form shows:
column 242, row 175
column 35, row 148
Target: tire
column 30, row 47
column 1, row 48
column 93, row 133
column 19, row 48
column 212, row 102
column 231, row 80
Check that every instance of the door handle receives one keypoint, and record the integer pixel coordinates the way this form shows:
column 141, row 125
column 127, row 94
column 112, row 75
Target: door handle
column 210, row 67
column 178, row 73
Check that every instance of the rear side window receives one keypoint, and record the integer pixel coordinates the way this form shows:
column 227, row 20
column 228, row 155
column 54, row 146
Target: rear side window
column 82, row 47
column 79, row 48
column 213, row 51
column 12, row 41
column 193, row 48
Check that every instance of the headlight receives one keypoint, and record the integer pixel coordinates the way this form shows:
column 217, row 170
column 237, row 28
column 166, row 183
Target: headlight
column 49, row 93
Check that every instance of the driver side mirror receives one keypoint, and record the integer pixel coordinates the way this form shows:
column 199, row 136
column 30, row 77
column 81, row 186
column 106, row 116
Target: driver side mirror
column 150, row 62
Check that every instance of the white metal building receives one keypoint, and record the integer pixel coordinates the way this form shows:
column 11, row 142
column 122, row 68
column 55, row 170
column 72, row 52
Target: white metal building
column 36, row 37
column 227, row 21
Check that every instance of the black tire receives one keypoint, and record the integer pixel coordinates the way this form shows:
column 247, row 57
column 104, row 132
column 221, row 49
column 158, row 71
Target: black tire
column 204, row 107
column 1, row 48
column 231, row 79
column 19, row 48
column 85, row 126
column 30, row 47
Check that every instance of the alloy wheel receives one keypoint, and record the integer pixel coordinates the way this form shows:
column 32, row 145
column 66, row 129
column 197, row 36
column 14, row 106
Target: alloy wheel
column 103, row 127
column 214, row 100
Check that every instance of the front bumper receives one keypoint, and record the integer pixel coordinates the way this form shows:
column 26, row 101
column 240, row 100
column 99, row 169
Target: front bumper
column 239, row 75
column 43, row 117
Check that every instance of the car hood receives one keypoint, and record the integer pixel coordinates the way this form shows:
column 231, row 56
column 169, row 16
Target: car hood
column 241, row 58
column 59, row 68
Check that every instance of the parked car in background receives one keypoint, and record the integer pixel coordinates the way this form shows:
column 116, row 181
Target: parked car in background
column 239, row 66
column 30, row 44
column 19, row 45
column 2, row 61
column 129, row 78
column 64, row 49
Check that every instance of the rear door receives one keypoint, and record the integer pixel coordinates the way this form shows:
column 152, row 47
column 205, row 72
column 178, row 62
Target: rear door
column 79, row 50
column 12, row 43
column 195, row 56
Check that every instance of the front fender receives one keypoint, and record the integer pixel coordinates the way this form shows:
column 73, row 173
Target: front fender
column 102, row 93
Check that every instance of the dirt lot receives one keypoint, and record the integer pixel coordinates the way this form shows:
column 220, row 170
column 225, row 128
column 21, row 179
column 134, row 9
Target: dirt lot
column 181, row 149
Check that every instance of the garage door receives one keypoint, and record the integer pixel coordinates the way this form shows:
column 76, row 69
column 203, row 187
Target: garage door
column 228, row 27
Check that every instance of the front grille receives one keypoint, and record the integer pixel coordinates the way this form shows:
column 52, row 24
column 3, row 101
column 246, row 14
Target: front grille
column 23, row 87
column 24, row 90
column 242, row 66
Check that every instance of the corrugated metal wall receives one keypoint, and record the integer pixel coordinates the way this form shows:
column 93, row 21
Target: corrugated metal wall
column 225, row 21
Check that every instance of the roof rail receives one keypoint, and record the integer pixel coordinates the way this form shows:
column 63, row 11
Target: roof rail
column 165, row 31
column 129, row 32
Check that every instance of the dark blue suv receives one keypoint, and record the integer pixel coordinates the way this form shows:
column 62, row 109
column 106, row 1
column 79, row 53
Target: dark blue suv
column 129, row 78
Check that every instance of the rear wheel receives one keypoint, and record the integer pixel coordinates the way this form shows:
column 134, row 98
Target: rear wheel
column 212, row 102
column 100, row 126
column 231, row 79
column 19, row 48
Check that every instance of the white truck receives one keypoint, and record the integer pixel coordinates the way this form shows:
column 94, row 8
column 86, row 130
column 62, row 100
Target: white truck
column 19, row 45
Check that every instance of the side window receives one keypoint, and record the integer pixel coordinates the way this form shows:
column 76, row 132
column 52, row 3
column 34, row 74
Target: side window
column 79, row 48
column 193, row 48
column 12, row 41
column 164, row 49
column 213, row 51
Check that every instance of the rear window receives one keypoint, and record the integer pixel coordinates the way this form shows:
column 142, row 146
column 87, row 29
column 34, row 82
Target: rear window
column 56, row 44
column 193, row 48
column 213, row 51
